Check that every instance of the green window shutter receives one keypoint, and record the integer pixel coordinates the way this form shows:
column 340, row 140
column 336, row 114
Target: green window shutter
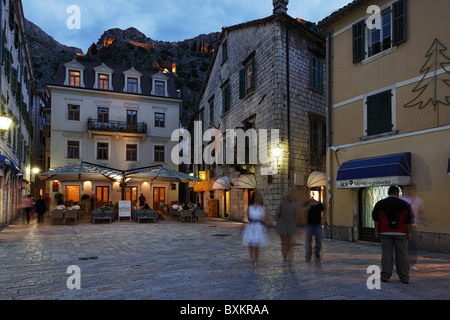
column 242, row 83
column 211, row 112
column 316, row 73
column 379, row 115
column 358, row 41
column 253, row 73
column 399, row 22
column 223, row 100
column 228, row 95
column 14, row 82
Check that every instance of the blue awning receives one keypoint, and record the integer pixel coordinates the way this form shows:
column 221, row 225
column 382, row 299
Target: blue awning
column 393, row 169
column 4, row 161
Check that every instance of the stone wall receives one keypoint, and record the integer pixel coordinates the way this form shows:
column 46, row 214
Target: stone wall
column 268, row 103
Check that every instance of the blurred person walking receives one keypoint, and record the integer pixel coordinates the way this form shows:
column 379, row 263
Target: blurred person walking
column 393, row 220
column 286, row 223
column 255, row 233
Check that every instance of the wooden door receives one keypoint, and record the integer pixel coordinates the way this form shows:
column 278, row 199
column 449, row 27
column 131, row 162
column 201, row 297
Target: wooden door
column 158, row 195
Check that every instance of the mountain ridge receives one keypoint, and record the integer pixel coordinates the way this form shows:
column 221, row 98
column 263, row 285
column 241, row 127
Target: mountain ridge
column 188, row 60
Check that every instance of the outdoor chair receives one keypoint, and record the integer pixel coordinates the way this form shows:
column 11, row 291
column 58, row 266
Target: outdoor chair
column 151, row 214
column 186, row 215
column 57, row 215
column 71, row 215
column 109, row 214
column 145, row 215
column 100, row 215
column 174, row 213
column 200, row 214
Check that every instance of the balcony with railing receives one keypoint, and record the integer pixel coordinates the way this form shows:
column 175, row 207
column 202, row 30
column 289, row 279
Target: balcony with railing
column 116, row 127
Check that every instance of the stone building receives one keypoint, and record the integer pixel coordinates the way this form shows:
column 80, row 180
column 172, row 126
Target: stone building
column 16, row 88
column 265, row 75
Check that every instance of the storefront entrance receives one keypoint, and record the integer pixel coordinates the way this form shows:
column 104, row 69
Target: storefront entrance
column 368, row 197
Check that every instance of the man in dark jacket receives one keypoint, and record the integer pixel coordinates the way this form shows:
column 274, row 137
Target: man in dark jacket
column 41, row 206
column 393, row 219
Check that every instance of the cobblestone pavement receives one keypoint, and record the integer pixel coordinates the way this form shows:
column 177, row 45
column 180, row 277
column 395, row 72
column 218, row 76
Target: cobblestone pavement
column 172, row 260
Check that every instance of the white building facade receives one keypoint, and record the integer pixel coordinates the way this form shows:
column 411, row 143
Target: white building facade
column 112, row 117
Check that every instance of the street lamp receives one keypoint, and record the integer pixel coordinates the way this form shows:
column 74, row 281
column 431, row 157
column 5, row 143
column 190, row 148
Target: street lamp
column 5, row 122
column 277, row 154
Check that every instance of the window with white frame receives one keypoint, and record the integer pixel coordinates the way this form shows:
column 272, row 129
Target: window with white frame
column 132, row 81
column 73, row 149
column 102, row 150
column 159, row 151
column 384, row 32
column 159, row 85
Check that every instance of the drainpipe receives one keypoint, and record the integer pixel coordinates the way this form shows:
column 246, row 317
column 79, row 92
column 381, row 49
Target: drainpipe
column 288, row 106
column 330, row 131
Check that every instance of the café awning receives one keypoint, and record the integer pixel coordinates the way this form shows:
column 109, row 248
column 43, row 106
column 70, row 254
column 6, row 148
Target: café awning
column 317, row 179
column 159, row 174
column 85, row 171
column 222, row 183
column 81, row 172
column 393, row 169
column 245, row 181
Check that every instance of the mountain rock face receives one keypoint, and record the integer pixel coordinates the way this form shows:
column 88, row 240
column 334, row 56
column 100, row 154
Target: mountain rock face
column 188, row 59
column 46, row 53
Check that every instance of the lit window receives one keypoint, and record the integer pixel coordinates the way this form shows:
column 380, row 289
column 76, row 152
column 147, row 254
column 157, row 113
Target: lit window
column 74, row 78
column 103, row 81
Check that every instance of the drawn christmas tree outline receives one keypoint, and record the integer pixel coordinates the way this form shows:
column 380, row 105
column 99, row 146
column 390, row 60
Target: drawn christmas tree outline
column 433, row 67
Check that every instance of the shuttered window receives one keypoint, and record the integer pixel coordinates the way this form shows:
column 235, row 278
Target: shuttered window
column 316, row 73
column 247, row 78
column 380, row 39
column 358, row 41
column 226, row 96
column 379, row 113
column 399, row 21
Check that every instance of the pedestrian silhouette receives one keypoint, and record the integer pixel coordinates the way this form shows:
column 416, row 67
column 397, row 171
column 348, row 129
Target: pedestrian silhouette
column 286, row 223
column 255, row 234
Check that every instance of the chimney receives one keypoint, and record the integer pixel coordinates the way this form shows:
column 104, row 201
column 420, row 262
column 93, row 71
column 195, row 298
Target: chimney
column 280, row 6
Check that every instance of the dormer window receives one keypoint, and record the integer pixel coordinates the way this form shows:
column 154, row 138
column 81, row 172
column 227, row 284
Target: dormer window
column 103, row 81
column 132, row 81
column 159, row 88
column 74, row 74
column 132, row 85
column 159, row 85
column 74, row 78
column 103, row 76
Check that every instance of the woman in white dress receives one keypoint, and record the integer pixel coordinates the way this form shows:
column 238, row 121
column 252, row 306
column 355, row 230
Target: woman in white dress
column 255, row 235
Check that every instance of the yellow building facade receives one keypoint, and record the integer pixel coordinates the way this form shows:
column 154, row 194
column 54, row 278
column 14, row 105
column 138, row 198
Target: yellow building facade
column 389, row 115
